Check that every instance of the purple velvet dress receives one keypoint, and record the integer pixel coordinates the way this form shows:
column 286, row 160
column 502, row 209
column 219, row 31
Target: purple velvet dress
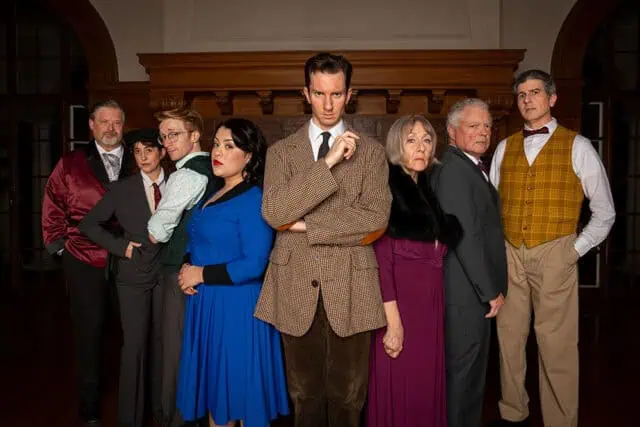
column 410, row 390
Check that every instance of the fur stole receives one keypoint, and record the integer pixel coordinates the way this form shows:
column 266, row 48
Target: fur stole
column 416, row 213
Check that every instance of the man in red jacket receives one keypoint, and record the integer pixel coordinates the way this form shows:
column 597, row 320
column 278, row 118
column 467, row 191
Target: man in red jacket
column 76, row 184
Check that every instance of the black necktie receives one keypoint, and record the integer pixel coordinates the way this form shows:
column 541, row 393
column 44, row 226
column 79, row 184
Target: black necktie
column 324, row 147
column 528, row 132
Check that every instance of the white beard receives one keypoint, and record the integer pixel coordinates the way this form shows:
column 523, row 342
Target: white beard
column 109, row 141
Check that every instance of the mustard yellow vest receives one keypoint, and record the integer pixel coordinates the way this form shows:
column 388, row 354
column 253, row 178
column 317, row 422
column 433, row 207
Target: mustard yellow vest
column 541, row 202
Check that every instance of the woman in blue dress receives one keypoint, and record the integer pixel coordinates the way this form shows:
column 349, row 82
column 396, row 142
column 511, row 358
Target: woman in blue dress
column 231, row 366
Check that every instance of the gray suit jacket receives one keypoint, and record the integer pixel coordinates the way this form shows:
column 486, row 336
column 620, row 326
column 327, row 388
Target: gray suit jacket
column 476, row 271
column 127, row 202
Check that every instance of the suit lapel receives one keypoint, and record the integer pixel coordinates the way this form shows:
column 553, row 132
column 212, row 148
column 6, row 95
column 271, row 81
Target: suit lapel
column 300, row 150
column 492, row 191
column 140, row 194
column 128, row 161
column 95, row 162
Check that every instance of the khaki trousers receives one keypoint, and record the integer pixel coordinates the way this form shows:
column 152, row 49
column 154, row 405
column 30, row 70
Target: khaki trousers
column 543, row 278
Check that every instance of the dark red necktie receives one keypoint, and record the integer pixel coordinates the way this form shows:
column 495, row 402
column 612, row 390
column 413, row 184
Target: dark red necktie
column 483, row 167
column 156, row 195
column 529, row 132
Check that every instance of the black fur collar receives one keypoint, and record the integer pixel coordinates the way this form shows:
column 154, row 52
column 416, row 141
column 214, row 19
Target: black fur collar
column 415, row 212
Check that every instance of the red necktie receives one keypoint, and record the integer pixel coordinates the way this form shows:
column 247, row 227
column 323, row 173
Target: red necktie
column 483, row 167
column 156, row 195
column 529, row 132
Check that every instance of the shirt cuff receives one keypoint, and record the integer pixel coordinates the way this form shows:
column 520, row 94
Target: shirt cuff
column 582, row 246
column 56, row 247
column 216, row 274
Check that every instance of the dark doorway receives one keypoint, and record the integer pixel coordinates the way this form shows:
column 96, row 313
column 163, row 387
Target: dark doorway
column 611, row 118
column 43, row 74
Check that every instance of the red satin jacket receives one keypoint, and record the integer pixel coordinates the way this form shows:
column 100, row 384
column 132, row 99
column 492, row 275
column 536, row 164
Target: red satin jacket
column 74, row 187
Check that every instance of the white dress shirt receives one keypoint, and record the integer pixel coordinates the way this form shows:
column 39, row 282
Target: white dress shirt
column 475, row 162
column 118, row 152
column 590, row 171
column 148, row 188
column 184, row 189
column 315, row 135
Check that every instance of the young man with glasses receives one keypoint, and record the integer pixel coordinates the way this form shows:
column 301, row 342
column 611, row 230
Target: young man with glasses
column 180, row 133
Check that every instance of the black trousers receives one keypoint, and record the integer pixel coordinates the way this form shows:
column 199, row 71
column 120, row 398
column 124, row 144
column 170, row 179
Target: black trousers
column 172, row 323
column 141, row 354
column 467, row 340
column 89, row 296
column 327, row 375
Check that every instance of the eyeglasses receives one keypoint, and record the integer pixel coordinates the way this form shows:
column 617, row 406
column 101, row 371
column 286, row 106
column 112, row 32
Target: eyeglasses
column 170, row 137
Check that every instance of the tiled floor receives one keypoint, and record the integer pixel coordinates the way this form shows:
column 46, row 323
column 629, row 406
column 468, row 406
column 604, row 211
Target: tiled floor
column 36, row 369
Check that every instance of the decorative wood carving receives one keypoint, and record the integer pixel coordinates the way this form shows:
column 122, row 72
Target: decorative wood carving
column 225, row 102
column 266, row 101
column 436, row 101
column 390, row 74
column 352, row 105
column 393, row 100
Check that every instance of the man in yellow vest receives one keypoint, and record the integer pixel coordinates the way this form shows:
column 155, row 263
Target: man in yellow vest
column 542, row 174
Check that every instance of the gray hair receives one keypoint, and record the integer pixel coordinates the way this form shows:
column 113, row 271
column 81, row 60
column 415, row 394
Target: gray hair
column 109, row 103
column 394, row 146
column 455, row 112
column 534, row 74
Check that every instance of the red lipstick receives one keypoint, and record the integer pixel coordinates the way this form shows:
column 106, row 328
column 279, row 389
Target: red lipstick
column 217, row 163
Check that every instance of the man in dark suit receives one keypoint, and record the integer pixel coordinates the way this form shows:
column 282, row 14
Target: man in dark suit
column 76, row 184
column 476, row 271
column 132, row 201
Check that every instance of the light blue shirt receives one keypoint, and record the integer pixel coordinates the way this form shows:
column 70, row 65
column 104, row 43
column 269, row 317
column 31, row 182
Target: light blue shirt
column 184, row 189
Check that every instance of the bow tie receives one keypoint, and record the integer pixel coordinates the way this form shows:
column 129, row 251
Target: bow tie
column 529, row 132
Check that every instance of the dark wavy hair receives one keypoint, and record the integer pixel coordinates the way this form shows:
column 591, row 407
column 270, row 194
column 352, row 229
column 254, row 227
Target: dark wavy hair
column 248, row 137
column 326, row 62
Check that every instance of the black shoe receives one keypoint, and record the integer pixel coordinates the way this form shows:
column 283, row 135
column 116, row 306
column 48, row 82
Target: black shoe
column 92, row 422
column 506, row 423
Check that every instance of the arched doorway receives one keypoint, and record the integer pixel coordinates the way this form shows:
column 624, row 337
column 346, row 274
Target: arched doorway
column 51, row 53
column 597, row 63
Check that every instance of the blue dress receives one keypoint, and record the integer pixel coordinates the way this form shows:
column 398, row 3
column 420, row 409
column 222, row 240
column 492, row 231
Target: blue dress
column 231, row 363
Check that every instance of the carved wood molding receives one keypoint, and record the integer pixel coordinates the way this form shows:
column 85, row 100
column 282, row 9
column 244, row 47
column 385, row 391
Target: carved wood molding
column 392, row 74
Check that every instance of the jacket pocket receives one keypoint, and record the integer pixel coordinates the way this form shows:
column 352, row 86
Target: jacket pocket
column 363, row 260
column 280, row 256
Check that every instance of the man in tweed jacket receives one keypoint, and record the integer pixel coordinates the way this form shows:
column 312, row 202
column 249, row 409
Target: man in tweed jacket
column 326, row 193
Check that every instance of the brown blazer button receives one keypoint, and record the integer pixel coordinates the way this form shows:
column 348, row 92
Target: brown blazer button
column 315, row 283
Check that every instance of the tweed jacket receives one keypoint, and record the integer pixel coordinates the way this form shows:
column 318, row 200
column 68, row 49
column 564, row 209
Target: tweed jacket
column 342, row 208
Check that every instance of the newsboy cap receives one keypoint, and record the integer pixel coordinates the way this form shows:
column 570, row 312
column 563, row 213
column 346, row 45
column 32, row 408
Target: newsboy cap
column 142, row 135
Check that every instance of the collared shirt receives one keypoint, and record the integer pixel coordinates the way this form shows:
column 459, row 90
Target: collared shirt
column 118, row 152
column 315, row 135
column 475, row 162
column 590, row 171
column 148, row 188
column 183, row 190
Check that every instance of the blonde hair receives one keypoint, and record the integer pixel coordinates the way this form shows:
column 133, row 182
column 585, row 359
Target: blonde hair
column 394, row 145
column 190, row 117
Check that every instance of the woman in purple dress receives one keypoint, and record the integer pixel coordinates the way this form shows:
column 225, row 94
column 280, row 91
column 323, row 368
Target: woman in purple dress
column 407, row 377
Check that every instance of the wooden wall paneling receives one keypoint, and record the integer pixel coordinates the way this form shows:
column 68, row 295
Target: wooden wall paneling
column 134, row 99
column 267, row 86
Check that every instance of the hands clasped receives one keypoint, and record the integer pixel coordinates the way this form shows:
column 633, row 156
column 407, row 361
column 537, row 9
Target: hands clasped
column 189, row 277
